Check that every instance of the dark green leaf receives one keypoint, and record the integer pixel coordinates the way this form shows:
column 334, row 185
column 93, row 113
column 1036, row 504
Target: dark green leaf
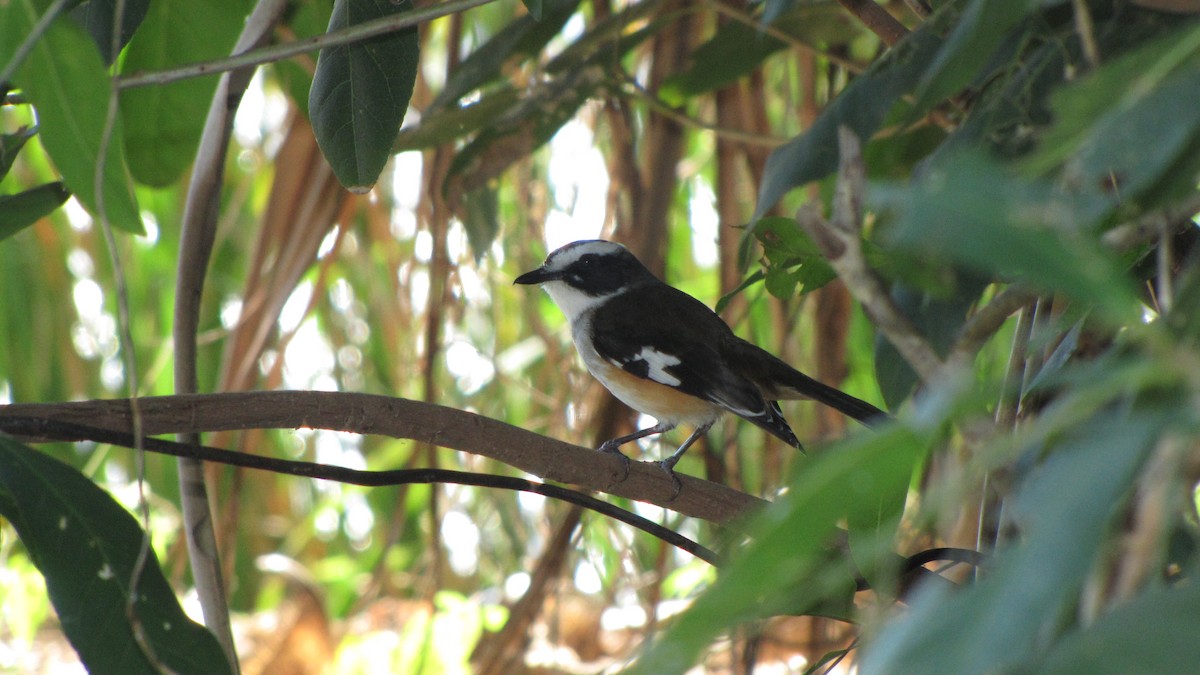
column 784, row 567
column 10, row 145
column 525, row 36
column 535, row 8
column 361, row 91
column 86, row 546
column 1153, row 633
column 481, row 218
column 97, row 18
column 1132, row 145
column 983, row 25
column 448, row 124
column 25, row 208
column 66, row 80
column 862, row 107
column 737, row 48
column 940, row 318
column 969, row 211
column 163, row 123
column 1063, row 510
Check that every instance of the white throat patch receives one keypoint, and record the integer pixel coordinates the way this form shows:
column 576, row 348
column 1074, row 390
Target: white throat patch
column 572, row 301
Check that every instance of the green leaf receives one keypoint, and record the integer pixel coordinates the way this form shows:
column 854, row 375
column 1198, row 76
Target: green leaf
column 361, row 91
column 97, row 18
column 448, row 124
column 535, row 7
column 983, row 25
column 939, row 317
column 862, row 107
column 1064, row 510
column 481, row 218
column 787, row 568
column 1153, row 633
column 86, row 546
column 792, row 258
column 738, row 48
column 65, row 80
column 523, row 37
column 25, row 208
column 10, row 145
column 970, row 211
column 1133, row 144
column 163, row 122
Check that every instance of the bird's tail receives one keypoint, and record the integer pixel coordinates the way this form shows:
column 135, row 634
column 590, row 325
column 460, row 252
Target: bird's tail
column 779, row 381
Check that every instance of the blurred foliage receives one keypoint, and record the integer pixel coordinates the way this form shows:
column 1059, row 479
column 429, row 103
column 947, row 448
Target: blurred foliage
column 1044, row 147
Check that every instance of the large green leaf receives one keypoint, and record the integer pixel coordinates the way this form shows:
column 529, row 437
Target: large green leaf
column 970, row 211
column 1153, row 633
column 1063, row 510
column 1121, row 133
column 784, row 569
column 737, row 48
column 984, row 24
column 25, row 208
column 523, row 37
column 65, row 79
column 10, row 145
column 163, row 122
column 86, row 546
column 97, row 18
column 360, row 93
column 862, row 107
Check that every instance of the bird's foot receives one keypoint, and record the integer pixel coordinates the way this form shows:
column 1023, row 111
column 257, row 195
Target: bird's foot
column 668, row 466
column 611, row 448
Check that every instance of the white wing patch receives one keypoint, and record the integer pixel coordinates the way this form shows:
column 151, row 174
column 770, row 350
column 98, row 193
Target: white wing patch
column 656, row 365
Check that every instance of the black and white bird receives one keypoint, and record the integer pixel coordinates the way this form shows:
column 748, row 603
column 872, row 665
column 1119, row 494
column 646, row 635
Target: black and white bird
column 666, row 354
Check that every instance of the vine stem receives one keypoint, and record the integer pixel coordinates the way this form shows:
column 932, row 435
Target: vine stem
column 270, row 54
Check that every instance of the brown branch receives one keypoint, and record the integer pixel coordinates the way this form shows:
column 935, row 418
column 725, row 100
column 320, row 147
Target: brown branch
column 840, row 241
column 404, row 419
column 877, row 19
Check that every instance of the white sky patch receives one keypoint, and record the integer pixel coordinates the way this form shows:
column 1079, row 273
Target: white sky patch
column 516, row 584
column 293, row 310
column 702, row 213
column 78, row 217
column 578, row 180
column 470, row 368
column 462, row 540
column 309, row 360
column 587, row 579
column 231, row 312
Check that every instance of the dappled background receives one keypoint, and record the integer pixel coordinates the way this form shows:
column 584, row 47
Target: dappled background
column 675, row 128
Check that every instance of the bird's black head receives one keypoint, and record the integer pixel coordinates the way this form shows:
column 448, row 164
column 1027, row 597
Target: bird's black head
column 595, row 268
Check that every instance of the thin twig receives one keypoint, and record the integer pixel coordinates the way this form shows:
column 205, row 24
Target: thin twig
column 273, row 53
column 877, row 20
column 740, row 16
column 195, row 248
column 1086, row 29
column 128, row 357
column 988, row 319
column 841, row 243
column 25, row 47
column 658, row 106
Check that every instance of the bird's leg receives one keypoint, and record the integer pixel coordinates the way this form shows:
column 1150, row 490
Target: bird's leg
column 669, row 463
column 613, row 446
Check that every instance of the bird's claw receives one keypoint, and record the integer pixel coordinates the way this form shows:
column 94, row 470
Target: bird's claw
column 613, row 449
column 668, row 467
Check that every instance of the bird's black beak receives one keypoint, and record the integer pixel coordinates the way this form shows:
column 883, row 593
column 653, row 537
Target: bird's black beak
column 537, row 276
